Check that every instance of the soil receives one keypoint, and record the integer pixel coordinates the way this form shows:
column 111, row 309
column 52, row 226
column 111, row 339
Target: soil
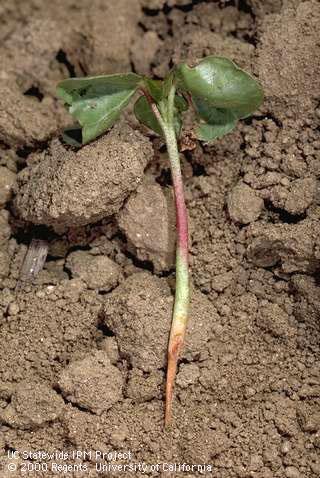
column 83, row 347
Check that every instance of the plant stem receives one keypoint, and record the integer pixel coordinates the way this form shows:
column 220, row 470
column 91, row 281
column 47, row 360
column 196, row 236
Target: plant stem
column 181, row 303
column 180, row 310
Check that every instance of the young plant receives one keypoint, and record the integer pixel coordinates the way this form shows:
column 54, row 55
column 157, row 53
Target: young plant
column 220, row 94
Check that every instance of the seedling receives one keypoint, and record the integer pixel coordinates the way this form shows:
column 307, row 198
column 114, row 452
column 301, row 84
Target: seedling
column 220, row 94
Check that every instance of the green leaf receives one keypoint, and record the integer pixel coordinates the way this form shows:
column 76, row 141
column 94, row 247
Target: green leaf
column 74, row 88
column 145, row 115
column 208, row 132
column 221, row 92
column 180, row 104
column 213, row 115
column 155, row 88
column 214, row 122
column 96, row 102
column 222, row 84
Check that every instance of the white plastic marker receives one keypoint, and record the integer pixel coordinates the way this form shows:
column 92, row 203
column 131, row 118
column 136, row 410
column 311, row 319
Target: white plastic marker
column 34, row 261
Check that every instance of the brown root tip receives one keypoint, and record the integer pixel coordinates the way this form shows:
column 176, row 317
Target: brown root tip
column 171, row 373
column 173, row 354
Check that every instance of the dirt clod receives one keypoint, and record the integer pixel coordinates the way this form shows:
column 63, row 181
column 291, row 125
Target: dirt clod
column 54, row 320
column 289, row 44
column 32, row 405
column 139, row 313
column 143, row 388
column 65, row 188
column 292, row 472
column 148, row 221
column 98, row 272
column 24, row 121
column 188, row 375
column 145, row 48
column 114, row 23
column 274, row 320
column 31, row 55
column 301, row 196
column 244, row 206
column 92, row 383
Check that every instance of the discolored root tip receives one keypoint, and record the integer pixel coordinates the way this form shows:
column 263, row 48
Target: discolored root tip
column 175, row 346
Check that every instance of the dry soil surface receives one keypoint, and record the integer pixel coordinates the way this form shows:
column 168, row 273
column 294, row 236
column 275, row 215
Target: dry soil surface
column 83, row 348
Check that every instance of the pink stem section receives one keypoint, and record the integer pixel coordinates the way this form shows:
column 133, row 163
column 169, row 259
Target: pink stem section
column 179, row 320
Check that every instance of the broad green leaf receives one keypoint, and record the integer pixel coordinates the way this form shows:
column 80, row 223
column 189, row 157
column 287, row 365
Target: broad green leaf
column 145, row 115
column 214, row 122
column 96, row 102
column 99, row 114
column 74, row 88
column 222, row 84
column 211, row 114
column 208, row 132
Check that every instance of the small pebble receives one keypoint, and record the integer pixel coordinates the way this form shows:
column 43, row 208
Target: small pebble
column 249, row 392
column 285, row 447
column 13, row 308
